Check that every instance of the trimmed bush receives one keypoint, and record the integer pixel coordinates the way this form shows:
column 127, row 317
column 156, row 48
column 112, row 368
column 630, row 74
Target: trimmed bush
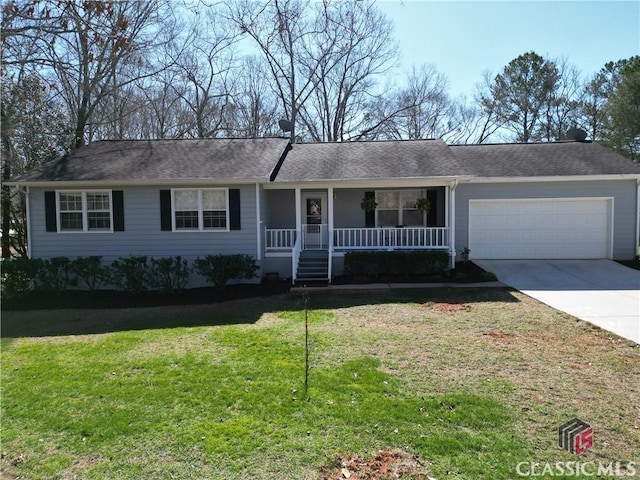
column 169, row 274
column 91, row 271
column 131, row 274
column 19, row 276
column 55, row 275
column 220, row 269
column 412, row 263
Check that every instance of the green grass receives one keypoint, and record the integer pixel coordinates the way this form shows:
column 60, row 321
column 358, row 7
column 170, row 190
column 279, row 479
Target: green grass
column 213, row 400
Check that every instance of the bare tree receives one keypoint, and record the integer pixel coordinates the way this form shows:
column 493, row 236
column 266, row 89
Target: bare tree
column 253, row 110
column 285, row 34
column 423, row 104
column 202, row 71
column 89, row 50
column 354, row 47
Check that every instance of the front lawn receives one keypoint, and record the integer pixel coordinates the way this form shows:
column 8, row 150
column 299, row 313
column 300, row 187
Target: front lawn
column 468, row 381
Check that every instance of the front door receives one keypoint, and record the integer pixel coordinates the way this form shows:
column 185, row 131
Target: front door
column 314, row 220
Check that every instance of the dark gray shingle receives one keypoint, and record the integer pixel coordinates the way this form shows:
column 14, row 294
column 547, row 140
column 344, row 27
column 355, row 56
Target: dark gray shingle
column 157, row 160
column 542, row 160
column 368, row 160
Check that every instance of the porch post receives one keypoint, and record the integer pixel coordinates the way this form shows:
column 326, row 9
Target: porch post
column 298, row 200
column 259, row 230
column 452, row 223
column 330, row 215
column 330, row 229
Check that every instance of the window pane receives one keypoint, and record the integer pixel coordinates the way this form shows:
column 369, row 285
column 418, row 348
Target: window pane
column 414, row 218
column 215, row 219
column 387, row 199
column 214, row 199
column 71, row 221
column 99, row 220
column 387, row 218
column 187, row 220
column 71, row 201
column 97, row 201
column 186, row 200
column 409, row 198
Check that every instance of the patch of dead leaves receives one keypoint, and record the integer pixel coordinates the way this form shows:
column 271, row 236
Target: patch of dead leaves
column 447, row 307
column 384, row 465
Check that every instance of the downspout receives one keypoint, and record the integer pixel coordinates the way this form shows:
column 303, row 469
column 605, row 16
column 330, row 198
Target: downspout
column 330, row 231
column 452, row 224
column 637, row 239
column 27, row 195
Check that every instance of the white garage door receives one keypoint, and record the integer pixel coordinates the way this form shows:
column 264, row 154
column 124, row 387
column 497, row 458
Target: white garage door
column 529, row 229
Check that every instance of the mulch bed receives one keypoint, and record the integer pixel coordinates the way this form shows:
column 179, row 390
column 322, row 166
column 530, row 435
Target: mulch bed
column 116, row 299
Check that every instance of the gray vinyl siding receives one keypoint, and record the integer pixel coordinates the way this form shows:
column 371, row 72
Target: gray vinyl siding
column 142, row 235
column 346, row 208
column 623, row 193
column 280, row 209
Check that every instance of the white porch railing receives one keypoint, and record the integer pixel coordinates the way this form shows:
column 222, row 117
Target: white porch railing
column 295, row 258
column 317, row 236
column 280, row 238
column 377, row 238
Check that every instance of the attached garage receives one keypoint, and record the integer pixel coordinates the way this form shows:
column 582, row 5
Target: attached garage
column 550, row 228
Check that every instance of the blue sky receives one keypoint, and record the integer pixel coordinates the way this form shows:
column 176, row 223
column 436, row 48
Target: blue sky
column 465, row 38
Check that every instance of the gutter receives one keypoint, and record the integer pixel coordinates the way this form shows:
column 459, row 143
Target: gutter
column 138, row 183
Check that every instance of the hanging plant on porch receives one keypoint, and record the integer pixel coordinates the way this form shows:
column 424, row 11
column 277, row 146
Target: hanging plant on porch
column 368, row 204
column 423, row 204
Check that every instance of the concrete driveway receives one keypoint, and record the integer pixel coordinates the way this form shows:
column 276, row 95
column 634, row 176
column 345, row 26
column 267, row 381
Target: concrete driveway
column 601, row 292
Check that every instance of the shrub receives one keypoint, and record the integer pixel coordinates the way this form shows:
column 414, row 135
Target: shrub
column 397, row 263
column 91, row 271
column 19, row 276
column 55, row 275
column 219, row 269
column 170, row 274
column 132, row 274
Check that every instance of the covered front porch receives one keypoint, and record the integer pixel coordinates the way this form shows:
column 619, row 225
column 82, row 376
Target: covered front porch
column 306, row 222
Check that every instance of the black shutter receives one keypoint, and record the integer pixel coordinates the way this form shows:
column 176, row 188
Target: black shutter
column 370, row 217
column 234, row 209
column 432, row 216
column 165, row 210
column 50, row 211
column 118, row 210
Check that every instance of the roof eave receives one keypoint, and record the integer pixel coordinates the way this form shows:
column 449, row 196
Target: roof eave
column 178, row 182
column 554, row 178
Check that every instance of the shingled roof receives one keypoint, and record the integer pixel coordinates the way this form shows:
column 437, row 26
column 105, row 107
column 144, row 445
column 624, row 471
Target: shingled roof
column 269, row 159
column 542, row 160
column 164, row 160
column 369, row 161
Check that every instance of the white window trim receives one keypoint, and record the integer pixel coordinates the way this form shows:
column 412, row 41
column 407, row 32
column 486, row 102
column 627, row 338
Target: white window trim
column 85, row 221
column 200, row 210
column 422, row 194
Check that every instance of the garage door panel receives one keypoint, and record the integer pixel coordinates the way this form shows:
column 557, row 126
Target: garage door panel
column 529, row 229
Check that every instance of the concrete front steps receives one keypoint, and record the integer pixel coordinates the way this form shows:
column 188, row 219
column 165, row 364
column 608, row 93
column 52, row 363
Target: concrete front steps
column 313, row 269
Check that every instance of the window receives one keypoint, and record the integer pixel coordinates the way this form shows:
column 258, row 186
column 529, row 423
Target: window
column 398, row 207
column 85, row 211
column 201, row 209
